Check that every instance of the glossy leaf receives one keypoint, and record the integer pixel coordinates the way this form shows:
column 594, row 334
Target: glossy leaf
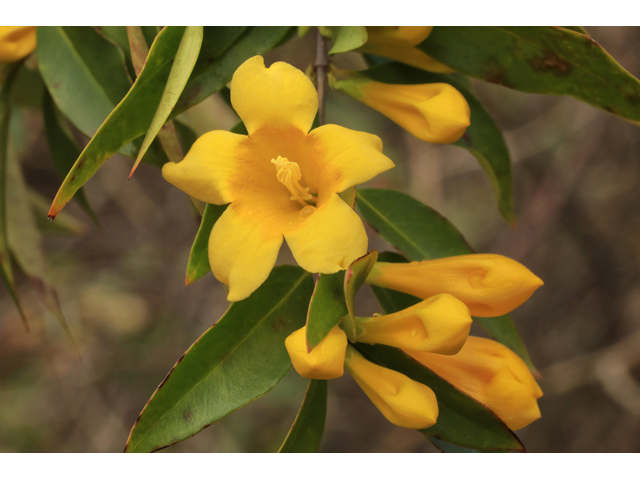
column 327, row 307
column 306, row 432
column 181, row 69
column 219, row 59
column 348, row 38
column 483, row 139
column 354, row 278
column 549, row 60
column 462, row 421
column 421, row 233
column 198, row 265
column 236, row 361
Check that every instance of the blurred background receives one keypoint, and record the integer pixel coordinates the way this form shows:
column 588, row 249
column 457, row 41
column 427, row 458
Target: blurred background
column 577, row 194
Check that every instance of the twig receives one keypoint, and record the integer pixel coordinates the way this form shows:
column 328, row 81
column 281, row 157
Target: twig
column 322, row 61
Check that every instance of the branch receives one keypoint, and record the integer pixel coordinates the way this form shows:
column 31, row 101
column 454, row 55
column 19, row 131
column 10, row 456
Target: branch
column 322, row 61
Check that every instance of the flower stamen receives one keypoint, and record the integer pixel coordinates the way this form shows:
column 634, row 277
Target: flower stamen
column 288, row 173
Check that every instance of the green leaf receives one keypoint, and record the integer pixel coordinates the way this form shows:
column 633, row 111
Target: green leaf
column 215, row 67
column 577, row 29
column 130, row 119
column 446, row 447
column 306, row 431
column 181, row 69
column 462, row 421
column 7, row 75
column 549, row 60
column 420, row 233
column 354, row 278
column 64, row 149
column 482, row 138
column 348, row 38
column 198, row 265
column 238, row 360
column 65, row 224
column 327, row 307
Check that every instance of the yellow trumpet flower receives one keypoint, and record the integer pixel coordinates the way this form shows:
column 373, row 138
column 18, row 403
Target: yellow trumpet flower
column 16, row 43
column 325, row 361
column 439, row 324
column 402, row 401
column 281, row 180
column 493, row 375
column 490, row 285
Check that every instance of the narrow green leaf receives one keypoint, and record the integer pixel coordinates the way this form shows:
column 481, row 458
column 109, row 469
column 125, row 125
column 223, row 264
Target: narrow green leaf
column 198, row 265
column 216, row 66
column 348, row 38
column 421, row 233
column 354, row 278
column 549, row 60
column 65, row 224
column 327, row 307
column 577, row 30
column 238, row 360
column 446, row 447
column 483, row 139
column 462, row 421
column 306, row 431
column 181, row 69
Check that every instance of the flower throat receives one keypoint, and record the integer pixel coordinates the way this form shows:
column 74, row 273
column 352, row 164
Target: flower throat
column 288, row 173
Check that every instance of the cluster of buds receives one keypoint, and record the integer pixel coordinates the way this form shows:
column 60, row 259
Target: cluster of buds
column 435, row 332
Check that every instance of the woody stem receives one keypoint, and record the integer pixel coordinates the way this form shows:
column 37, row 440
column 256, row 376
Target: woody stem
column 322, row 61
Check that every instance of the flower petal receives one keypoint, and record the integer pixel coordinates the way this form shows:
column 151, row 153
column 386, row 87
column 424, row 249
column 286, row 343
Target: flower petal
column 398, row 36
column 349, row 157
column 325, row 361
column 243, row 248
column 329, row 239
column 207, row 171
column 277, row 97
column 16, row 43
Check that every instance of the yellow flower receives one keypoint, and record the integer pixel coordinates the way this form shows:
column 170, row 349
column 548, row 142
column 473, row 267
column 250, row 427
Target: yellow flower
column 490, row 285
column 398, row 43
column 280, row 180
column 439, row 324
column 325, row 361
column 493, row 375
column 402, row 401
column 433, row 112
column 16, row 43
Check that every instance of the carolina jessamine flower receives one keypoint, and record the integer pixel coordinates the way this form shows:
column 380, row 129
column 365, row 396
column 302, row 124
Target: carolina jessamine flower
column 490, row 285
column 433, row 112
column 16, row 43
column 325, row 361
column 398, row 43
column 404, row 402
column 281, row 181
column 493, row 375
column 439, row 324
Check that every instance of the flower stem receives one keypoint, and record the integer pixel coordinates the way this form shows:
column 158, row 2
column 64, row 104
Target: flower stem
column 322, row 61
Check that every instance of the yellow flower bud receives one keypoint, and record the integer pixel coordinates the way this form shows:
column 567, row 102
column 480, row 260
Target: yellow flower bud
column 493, row 375
column 325, row 361
column 16, row 43
column 439, row 324
column 402, row 401
column 490, row 285
column 398, row 36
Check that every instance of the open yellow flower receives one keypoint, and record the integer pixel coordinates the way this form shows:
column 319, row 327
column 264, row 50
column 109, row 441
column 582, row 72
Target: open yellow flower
column 281, row 180
column 490, row 285
column 493, row 375
column 16, row 43
column 398, row 43
column 439, row 324
column 325, row 361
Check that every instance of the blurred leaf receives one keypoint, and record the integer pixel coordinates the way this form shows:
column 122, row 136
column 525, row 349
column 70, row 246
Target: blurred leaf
column 446, row 447
column 483, row 139
column 549, row 60
column 28, row 88
column 239, row 128
column 216, row 65
column 198, row 265
column 462, row 421
column 327, row 307
column 130, row 119
column 186, row 136
column 347, row 38
column 577, row 30
column 306, row 432
column 64, row 150
column 7, row 75
column 354, row 278
column 420, row 233
column 181, row 69
column 65, row 224
column 236, row 361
